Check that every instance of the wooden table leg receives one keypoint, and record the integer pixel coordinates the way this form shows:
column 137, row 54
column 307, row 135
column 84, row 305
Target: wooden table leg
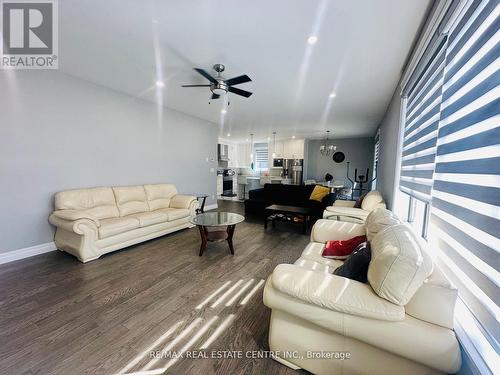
column 203, row 234
column 230, row 232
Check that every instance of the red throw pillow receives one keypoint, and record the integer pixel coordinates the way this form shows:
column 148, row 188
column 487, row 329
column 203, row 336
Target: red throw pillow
column 342, row 249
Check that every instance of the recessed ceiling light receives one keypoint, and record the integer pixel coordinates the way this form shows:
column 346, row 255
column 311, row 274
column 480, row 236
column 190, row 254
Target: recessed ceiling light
column 228, row 134
column 312, row 39
column 268, row 138
column 223, row 111
column 246, row 140
column 293, row 137
column 333, row 95
column 160, row 84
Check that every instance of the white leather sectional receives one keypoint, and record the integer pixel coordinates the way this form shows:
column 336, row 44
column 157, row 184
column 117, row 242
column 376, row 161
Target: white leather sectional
column 345, row 211
column 96, row 221
column 400, row 322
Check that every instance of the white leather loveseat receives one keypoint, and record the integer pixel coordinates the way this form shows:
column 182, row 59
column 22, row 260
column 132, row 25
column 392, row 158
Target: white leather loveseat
column 345, row 211
column 96, row 221
column 401, row 322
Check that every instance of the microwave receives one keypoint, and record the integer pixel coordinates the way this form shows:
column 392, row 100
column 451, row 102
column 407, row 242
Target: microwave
column 277, row 162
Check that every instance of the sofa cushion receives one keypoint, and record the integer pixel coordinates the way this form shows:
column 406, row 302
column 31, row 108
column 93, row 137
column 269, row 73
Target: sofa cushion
column 355, row 266
column 159, row 195
column 372, row 200
column 314, row 266
column 378, row 220
column 130, row 199
column 114, row 226
column 150, row 218
column 347, row 211
column 97, row 202
column 175, row 213
column 399, row 264
column 319, row 192
column 313, row 252
column 341, row 249
column 435, row 300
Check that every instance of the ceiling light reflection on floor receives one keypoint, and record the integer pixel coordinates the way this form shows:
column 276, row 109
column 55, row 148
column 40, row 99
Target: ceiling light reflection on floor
column 240, row 292
column 228, row 292
column 191, row 342
column 174, row 342
column 146, row 352
column 245, row 300
column 217, row 332
column 206, row 300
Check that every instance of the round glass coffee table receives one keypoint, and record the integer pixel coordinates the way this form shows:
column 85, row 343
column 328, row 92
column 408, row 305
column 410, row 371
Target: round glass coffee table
column 217, row 226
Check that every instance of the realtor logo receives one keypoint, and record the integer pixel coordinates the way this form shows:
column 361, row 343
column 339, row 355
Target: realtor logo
column 29, row 34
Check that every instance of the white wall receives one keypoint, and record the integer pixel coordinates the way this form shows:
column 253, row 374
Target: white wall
column 58, row 132
column 388, row 156
column 358, row 151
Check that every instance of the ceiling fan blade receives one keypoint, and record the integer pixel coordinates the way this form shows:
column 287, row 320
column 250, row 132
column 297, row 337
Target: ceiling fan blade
column 206, row 75
column 237, row 80
column 195, row 86
column 237, row 91
column 215, row 96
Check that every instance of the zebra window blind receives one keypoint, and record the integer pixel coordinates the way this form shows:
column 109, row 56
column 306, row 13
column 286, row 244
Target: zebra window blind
column 261, row 156
column 421, row 125
column 465, row 205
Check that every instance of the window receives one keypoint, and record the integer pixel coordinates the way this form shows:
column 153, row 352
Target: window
column 261, row 156
column 450, row 167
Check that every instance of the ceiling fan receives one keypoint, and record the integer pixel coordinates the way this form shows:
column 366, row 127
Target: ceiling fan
column 220, row 86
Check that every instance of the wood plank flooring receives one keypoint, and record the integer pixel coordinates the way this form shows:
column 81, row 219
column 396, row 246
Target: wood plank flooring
column 59, row 316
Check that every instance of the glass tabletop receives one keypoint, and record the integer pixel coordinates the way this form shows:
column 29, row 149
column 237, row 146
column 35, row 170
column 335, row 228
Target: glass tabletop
column 217, row 219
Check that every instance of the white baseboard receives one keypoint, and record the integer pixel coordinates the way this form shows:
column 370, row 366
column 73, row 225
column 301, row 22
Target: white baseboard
column 211, row 207
column 27, row 252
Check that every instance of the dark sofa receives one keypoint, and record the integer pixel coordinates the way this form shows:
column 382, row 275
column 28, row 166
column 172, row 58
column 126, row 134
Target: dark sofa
column 290, row 195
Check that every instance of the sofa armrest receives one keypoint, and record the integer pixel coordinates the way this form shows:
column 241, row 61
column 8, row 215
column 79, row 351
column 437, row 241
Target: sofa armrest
column 325, row 230
column 79, row 226
column 73, row 215
column 334, row 293
column 182, row 201
column 343, row 203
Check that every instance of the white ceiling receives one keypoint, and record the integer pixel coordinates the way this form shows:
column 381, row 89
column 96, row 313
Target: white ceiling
column 362, row 45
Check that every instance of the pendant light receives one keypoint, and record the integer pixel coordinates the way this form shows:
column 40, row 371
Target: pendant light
column 274, row 145
column 326, row 149
column 251, row 151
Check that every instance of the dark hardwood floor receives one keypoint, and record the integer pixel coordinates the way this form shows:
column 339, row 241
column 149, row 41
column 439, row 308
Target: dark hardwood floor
column 59, row 316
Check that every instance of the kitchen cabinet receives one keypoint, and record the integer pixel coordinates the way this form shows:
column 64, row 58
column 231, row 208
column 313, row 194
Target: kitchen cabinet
column 294, row 149
column 243, row 155
column 290, row 149
column 232, row 156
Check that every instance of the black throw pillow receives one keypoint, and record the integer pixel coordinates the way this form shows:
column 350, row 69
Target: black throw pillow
column 355, row 266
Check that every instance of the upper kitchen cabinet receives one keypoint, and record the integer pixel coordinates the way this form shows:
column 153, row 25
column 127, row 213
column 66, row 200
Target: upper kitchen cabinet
column 294, row 149
column 232, row 154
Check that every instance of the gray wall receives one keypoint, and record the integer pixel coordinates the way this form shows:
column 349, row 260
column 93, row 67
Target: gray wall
column 358, row 151
column 58, row 132
column 389, row 143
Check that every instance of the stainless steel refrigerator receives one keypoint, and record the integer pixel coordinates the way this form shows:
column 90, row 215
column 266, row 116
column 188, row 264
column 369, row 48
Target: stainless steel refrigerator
column 296, row 171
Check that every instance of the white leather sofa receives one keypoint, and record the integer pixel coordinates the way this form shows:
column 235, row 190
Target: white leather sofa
column 96, row 221
column 401, row 322
column 345, row 211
